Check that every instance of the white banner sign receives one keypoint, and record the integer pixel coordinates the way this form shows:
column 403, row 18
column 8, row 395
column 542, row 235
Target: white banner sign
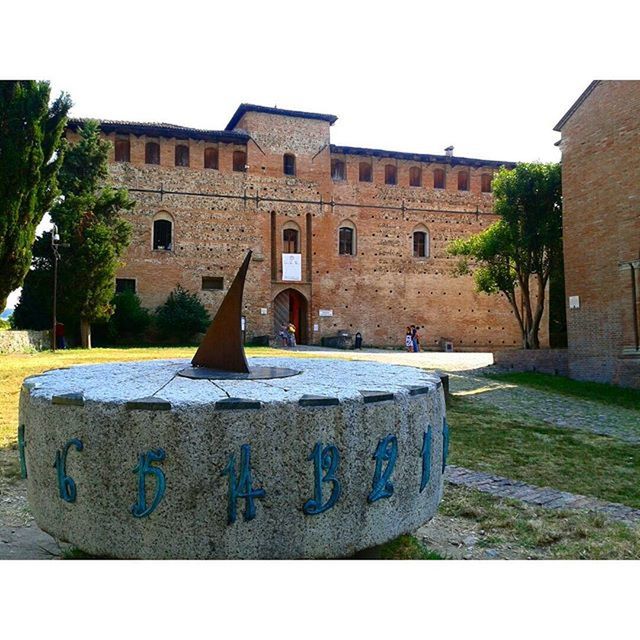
column 326, row 313
column 292, row 267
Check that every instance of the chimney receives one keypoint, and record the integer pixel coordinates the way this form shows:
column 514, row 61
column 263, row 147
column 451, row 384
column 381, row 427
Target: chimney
column 449, row 151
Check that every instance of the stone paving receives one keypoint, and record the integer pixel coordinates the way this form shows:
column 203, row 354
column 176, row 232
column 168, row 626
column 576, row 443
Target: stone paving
column 540, row 496
column 561, row 411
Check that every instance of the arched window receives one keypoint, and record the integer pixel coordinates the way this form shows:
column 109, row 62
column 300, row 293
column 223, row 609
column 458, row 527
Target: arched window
column 421, row 247
column 438, row 179
column 338, row 169
column 289, row 164
column 123, row 150
column 163, row 232
column 463, row 181
column 415, row 177
column 239, row 160
column 347, row 238
column 210, row 158
column 290, row 240
column 485, row 183
column 152, row 153
column 365, row 172
column 390, row 174
column 182, row 155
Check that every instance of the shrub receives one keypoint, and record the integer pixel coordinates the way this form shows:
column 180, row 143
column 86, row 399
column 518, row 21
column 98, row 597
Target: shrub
column 181, row 316
column 5, row 325
column 130, row 320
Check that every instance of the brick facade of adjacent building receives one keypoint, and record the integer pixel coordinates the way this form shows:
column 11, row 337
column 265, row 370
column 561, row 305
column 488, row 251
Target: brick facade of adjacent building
column 601, row 212
column 217, row 214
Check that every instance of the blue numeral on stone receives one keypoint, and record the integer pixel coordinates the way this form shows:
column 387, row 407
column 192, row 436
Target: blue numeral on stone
column 445, row 443
column 426, row 459
column 326, row 459
column 386, row 451
column 144, row 468
column 66, row 484
column 242, row 488
column 21, row 446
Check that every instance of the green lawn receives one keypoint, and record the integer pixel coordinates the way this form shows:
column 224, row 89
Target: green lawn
column 603, row 393
column 526, row 449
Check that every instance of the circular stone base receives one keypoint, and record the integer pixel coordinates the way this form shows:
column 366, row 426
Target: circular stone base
column 255, row 373
column 132, row 460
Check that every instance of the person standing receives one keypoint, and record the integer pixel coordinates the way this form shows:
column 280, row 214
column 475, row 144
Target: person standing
column 408, row 340
column 415, row 335
column 291, row 329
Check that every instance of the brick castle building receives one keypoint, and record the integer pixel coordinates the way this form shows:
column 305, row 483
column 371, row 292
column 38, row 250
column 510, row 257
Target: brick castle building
column 343, row 238
column 601, row 227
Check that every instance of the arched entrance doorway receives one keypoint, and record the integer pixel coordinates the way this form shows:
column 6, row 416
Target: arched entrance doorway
column 291, row 306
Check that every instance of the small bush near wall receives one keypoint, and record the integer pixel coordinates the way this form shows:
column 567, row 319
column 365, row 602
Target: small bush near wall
column 181, row 317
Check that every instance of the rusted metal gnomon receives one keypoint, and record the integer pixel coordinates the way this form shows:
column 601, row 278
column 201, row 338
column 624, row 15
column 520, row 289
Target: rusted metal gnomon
column 222, row 347
column 221, row 352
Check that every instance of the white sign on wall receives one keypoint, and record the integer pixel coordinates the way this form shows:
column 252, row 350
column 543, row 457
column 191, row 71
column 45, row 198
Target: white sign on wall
column 326, row 313
column 574, row 302
column 292, row 267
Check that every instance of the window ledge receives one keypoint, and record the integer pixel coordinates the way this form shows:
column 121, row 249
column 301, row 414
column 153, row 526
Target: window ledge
column 630, row 352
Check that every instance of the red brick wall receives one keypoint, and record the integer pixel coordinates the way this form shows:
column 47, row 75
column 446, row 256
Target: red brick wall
column 378, row 291
column 601, row 210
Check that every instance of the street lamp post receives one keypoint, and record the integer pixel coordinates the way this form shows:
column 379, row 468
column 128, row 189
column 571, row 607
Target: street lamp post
column 55, row 245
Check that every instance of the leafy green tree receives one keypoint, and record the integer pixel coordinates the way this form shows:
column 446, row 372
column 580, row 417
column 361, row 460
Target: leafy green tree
column 182, row 316
column 33, row 310
column 516, row 254
column 31, row 151
column 89, row 220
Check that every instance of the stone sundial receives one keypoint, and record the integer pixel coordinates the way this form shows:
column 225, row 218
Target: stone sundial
column 162, row 459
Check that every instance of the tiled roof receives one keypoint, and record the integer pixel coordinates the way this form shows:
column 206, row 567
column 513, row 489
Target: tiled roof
column 158, row 129
column 420, row 157
column 244, row 108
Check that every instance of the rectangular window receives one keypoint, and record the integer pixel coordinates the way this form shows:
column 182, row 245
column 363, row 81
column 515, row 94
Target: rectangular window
column 211, row 158
column 123, row 150
column 239, row 161
column 366, row 172
column 415, row 177
column 346, row 241
column 438, row 179
column 125, row 284
column 212, row 284
column 463, row 181
column 485, row 183
column 338, row 170
column 390, row 174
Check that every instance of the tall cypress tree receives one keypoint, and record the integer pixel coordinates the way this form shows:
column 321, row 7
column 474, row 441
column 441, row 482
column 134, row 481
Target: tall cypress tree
column 31, row 152
column 89, row 221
